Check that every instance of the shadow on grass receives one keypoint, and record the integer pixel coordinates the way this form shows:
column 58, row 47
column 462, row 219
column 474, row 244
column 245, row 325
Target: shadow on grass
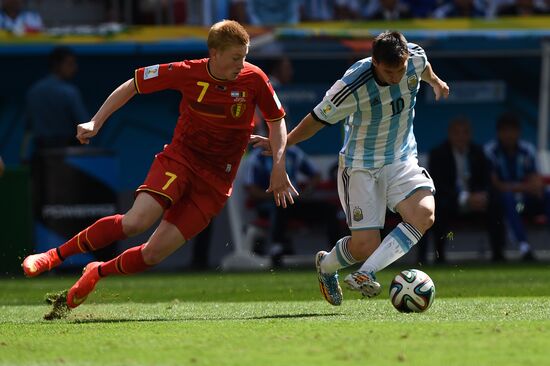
column 292, row 316
column 128, row 320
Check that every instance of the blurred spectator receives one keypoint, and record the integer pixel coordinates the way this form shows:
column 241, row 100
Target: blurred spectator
column 54, row 105
column 273, row 12
column 521, row 8
column 2, row 167
column 14, row 18
column 280, row 71
column 391, row 10
column 516, row 179
column 318, row 10
column 327, row 10
column 461, row 9
column 460, row 172
column 238, row 11
column 310, row 207
column 422, row 8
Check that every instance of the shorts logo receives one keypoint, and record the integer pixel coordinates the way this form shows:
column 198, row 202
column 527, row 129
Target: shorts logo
column 412, row 82
column 357, row 214
column 237, row 110
column 327, row 109
column 151, row 72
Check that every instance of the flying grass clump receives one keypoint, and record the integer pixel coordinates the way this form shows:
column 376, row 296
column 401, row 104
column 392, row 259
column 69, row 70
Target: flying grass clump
column 58, row 300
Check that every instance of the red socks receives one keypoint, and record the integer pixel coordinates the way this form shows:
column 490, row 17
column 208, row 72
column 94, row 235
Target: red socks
column 99, row 235
column 131, row 261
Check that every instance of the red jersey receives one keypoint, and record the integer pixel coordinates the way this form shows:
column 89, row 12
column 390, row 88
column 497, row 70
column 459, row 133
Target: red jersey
column 216, row 116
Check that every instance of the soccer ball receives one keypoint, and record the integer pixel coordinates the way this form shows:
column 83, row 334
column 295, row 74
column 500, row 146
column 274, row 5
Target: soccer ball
column 412, row 291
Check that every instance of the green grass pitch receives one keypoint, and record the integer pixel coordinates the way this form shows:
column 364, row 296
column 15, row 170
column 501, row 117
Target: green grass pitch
column 482, row 315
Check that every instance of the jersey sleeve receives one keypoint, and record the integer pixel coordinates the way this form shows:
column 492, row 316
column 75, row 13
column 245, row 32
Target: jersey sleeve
column 418, row 56
column 337, row 104
column 339, row 101
column 268, row 102
column 154, row 78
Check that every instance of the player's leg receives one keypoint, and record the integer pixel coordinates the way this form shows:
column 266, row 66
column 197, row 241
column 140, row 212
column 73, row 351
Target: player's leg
column 364, row 204
column 161, row 187
column 410, row 193
column 184, row 220
column 166, row 239
column 416, row 211
column 145, row 211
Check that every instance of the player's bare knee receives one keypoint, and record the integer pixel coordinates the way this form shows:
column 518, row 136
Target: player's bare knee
column 152, row 256
column 135, row 224
column 424, row 218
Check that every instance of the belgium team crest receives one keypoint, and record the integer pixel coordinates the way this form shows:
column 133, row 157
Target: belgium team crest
column 237, row 110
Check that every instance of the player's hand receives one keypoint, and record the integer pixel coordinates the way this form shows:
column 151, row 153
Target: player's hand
column 85, row 131
column 441, row 89
column 281, row 187
column 261, row 142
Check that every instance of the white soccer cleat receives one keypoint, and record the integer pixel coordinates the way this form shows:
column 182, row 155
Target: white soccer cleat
column 363, row 282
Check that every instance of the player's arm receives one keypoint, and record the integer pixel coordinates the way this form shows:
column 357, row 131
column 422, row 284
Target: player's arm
column 119, row 97
column 441, row 89
column 307, row 127
column 279, row 183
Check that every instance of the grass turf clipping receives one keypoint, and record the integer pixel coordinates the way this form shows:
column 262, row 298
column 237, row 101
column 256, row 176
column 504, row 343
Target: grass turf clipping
column 58, row 301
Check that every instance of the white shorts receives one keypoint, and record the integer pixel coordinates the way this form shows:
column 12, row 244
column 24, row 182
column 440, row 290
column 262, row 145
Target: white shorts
column 365, row 193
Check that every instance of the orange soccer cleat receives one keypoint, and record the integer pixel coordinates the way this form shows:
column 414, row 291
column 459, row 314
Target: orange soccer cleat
column 84, row 286
column 35, row 264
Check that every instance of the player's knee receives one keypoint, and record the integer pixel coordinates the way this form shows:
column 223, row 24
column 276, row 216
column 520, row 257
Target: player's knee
column 152, row 256
column 423, row 218
column 135, row 224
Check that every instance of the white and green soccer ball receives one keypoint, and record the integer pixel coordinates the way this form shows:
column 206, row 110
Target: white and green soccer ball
column 412, row 291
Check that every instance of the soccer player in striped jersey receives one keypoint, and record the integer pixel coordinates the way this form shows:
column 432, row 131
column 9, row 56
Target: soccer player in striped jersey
column 378, row 164
column 191, row 179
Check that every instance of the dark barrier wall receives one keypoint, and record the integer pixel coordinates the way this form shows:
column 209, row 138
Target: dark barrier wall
column 72, row 188
column 15, row 219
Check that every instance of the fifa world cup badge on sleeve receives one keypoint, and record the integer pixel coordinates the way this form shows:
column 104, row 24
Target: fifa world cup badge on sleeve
column 151, row 72
column 327, row 109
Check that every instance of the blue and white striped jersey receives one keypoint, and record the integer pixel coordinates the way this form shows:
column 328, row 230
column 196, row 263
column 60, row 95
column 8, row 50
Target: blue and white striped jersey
column 378, row 119
column 513, row 168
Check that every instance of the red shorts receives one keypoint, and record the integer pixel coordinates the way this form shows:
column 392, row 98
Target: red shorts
column 189, row 200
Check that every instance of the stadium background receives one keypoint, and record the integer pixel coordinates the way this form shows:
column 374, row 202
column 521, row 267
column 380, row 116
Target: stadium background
column 491, row 66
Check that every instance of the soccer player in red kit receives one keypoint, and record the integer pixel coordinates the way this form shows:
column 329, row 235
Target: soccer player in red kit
column 191, row 179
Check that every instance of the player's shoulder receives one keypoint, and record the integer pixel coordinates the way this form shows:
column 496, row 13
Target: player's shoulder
column 415, row 50
column 251, row 70
column 360, row 68
column 192, row 64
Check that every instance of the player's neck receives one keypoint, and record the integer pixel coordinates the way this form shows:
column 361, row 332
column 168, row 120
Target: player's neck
column 212, row 71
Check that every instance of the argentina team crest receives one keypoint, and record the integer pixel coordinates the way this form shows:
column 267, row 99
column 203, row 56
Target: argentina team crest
column 237, row 110
column 412, row 82
column 357, row 214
